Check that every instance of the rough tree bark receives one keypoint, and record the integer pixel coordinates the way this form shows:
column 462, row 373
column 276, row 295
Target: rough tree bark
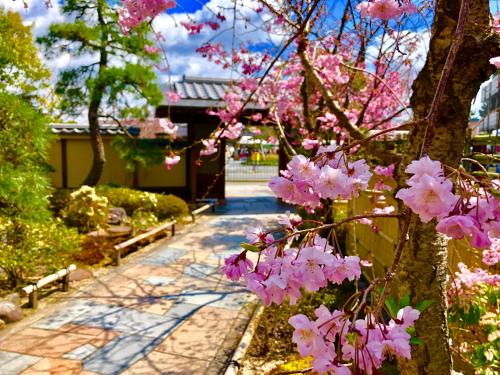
column 423, row 269
column 96, row 95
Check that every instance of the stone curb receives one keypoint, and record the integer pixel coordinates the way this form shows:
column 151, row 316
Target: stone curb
column 239, row 353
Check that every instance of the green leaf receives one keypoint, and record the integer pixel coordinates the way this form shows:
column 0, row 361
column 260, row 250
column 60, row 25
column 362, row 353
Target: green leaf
column 495, row 193
column 248, row 247
column 421, row 306
column 416, row 341
column 405, row 301
column 392, row 306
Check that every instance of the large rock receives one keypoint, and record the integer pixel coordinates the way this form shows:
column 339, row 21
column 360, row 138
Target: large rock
column 80, row 274
column 117, row 215
column 10, row 312
column 14, row 298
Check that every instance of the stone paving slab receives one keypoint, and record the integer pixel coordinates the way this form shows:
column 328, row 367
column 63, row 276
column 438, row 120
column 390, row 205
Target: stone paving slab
column 120, row 353
column 81, row 352
column 44, row 343
column 169, row 311
column 128, row 321
column 14, row 363
column 167, row 364
column 55, row 366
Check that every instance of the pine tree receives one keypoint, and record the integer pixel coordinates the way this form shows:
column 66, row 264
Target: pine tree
column 117, row 77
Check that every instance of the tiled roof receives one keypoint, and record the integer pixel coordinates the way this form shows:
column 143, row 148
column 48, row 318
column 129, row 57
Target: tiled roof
column 202, row 88
column 109, row 129
column 200, row 91
column 106, row 129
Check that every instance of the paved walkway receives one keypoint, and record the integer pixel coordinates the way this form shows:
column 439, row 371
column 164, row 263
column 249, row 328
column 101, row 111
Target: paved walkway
column 167, row 311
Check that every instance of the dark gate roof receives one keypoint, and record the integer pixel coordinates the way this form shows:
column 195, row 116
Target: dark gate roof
column 199, row 91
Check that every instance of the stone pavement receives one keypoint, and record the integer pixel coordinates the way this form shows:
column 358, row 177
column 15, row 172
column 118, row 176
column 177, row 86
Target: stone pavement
column 167, row 311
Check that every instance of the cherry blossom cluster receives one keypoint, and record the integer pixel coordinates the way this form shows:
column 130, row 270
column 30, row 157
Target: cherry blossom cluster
column 466, row 281
column 491, row 256
column 171, row 160
column 330, row 176
column 193, row 27
column 210, row 148
column 431, row 196
column 365, row 343
column 383, row 174
column 385, row 9
column 134, row 12
column 282, row 273
column 430, row 193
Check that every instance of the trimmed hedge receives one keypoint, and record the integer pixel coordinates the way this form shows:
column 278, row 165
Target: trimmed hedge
column 132, row 201
column 163, row 206
column 129, row 199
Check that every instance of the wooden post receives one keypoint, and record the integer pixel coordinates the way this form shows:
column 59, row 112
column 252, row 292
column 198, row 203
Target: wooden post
column 65, row 283
column 33, row 299
column 118, row 257
column 64, row 163
column 173, row 230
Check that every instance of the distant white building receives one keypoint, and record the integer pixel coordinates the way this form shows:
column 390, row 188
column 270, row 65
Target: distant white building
column 490, row 104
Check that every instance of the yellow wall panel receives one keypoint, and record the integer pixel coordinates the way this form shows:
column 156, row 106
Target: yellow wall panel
column 159, row 176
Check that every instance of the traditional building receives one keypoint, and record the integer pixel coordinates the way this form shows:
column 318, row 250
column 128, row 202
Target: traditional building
column 71, row 154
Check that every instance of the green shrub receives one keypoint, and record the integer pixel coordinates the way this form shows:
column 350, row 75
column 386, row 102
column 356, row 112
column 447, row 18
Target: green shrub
column 170, row 206
column 163, row 206
column 128, row 199
column 86, row 210
column 59, row 200
column 31, row 249
column 143, row 220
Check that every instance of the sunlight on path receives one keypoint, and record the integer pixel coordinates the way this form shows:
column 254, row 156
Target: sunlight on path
column 169, row 311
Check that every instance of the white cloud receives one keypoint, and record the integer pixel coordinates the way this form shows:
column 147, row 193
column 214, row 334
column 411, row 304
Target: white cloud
column 181, row 47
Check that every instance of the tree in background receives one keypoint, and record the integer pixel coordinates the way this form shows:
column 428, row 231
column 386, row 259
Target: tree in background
column 21, row 72
column 25, row 221
column 118, row 79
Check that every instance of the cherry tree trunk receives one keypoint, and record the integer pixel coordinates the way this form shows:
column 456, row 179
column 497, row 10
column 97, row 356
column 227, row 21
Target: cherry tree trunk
column 423, row 269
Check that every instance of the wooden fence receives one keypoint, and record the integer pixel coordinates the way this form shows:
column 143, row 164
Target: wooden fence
column 378, row 245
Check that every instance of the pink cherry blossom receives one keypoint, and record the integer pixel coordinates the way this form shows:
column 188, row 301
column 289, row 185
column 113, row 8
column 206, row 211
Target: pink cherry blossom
column 383, row 9
column 332, row 183
column 151, row 49
column 193, row 27
column 134, row 12
column 289, row 220
column 236, row 266
column 407, row 316
column 495, row 61
column 168, row 127
column 210, row 148
column 173, row 97
column 310, row 263
column 424, row 166
column 384, row 171
column 310, row 144
column 456, row 226
column 170, row 161
column 429, row 198
column 306, row 335
column 343, row 268
column 257, row 234
column 302, row 168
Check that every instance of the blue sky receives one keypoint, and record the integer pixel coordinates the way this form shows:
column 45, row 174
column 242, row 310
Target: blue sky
column 188, row 6
column 179, row 46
